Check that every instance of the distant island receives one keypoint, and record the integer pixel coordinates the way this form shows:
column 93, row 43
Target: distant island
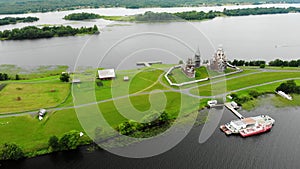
column 87, row 16
column 190, row 15
column 12, row 20
column 32, row 32
column 26, row 6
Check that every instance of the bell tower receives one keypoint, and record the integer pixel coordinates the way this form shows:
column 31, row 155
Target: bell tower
column 197, row 58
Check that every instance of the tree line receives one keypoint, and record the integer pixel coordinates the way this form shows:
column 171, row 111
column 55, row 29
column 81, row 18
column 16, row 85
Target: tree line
column 195, row 15
column 33, row 32
column 259, row 11
column 284, row 63
column 5, row 76
column 14, row 20
column 81, row 16
column 69, row 141
column 189, row 15
column 152, row 120
column 27, row 6
column 152, row 16
column 276, row 62
column 236, row 62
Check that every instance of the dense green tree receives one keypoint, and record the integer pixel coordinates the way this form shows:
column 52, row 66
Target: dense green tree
column 262, row 66
column 10, row 152
column 64, row 77
column 53, row 143
column 3, row 77
column 150, row 120
column 17, row 77
column 69, row 140
column 289, row 87
column 281, row 63
column 293, row 63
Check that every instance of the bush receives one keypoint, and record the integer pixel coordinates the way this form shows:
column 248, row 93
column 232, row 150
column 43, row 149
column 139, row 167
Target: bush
column 54, row 143
column 11, row 152
column 149, row 121
column 262, row 66
column 64, row 77
column 17, row 77
column 69, row 140
column 99, row 83
column 254, row 93
column 289, row 87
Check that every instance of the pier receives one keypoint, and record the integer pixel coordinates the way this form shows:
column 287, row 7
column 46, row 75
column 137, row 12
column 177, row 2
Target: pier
column 148, row 64
column 232, row 109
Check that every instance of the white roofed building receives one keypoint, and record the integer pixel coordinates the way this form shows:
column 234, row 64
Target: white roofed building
column 107, row 74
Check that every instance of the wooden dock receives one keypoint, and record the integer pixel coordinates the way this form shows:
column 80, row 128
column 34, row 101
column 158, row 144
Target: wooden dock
column 216, row 105
column 148, row 64
column 231, row 108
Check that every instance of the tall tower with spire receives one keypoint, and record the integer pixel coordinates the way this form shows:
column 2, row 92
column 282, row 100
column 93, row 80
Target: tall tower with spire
column 197, row 58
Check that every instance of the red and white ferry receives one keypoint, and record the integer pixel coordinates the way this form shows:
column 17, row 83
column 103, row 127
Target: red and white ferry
column 249, row 126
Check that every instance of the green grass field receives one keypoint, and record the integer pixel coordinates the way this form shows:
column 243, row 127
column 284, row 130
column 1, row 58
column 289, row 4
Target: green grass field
column 36, row 93
column 59, row 122
column 23, row 97
column 212, row 73
column 177, row 76
column 246, row 81
column 32, row 134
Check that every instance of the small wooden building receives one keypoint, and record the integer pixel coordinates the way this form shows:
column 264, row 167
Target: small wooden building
column 126, row 78
column 107, row 74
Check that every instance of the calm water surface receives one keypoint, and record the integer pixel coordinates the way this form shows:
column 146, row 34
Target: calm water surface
column 277, row 149
column 252, row 37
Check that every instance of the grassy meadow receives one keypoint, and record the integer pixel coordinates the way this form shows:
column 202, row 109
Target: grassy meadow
column 42, row 92
column 246, row 81
column 20, row 97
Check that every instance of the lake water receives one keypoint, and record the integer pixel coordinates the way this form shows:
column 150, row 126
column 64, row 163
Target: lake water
column 251, row 37
column 276, row 149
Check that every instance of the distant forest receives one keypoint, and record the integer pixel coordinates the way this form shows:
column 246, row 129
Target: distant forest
column 190, row 15
column 12, row 20
column 32, row 32
column 26, row 6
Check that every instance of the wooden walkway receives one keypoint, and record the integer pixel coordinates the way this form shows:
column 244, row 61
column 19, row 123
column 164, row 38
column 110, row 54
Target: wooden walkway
column 231, row 108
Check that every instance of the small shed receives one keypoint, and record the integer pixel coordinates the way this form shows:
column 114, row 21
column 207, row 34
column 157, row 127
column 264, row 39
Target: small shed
column 126, row 78
column 212, row 103
column 107, row 74
column 76, row 81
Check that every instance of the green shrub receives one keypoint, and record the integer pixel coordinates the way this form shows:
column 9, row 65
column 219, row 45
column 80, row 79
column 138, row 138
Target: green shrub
column 254, row 93
column 69, row 140
column 54, row 143
column 10, row 152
